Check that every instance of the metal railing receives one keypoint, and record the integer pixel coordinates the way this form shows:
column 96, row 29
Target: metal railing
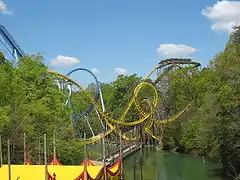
column 132, row 147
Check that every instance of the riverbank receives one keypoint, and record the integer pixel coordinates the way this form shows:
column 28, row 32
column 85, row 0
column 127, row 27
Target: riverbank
column 154, row 164
column 180, row 149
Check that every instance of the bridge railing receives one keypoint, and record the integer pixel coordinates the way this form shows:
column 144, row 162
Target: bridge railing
column 126, row 150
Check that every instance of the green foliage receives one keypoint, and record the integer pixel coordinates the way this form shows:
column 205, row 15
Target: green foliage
column 211, row 126
column 32, row 103
column 122, row 91
column 2, row 58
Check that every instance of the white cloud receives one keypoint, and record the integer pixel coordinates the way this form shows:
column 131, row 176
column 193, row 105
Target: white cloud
column 223, row 15
column 175, row 50
column 3, row 8
column 121, row 71
column 64, row 61
column 95, row 71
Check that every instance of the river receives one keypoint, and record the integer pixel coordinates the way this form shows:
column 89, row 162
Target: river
column 162, row 165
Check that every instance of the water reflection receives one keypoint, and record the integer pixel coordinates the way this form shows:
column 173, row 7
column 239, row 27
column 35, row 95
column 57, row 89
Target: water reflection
column 158, row 165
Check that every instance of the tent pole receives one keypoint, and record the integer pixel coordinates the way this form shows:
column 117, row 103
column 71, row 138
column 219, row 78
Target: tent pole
column 85, row 158
column 104, row 155
column 54, row 149
column 9, row 160
column 1, row 156
column 45, row 156
column 24, row 148
column 39, row 149
column 120, row 142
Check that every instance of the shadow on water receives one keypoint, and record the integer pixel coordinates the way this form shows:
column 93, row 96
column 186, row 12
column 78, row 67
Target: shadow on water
column 151, row 164
column 217, row 172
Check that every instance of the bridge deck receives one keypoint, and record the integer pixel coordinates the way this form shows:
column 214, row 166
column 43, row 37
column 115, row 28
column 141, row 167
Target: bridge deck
column 125, row 152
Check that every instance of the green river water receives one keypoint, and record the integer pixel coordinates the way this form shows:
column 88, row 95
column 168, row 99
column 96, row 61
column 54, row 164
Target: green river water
column 162, row 165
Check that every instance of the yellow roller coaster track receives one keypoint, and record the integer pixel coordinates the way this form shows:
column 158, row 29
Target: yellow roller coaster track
column 143, row 116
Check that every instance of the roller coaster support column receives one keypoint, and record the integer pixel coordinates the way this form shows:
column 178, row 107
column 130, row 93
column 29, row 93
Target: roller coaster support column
column 99, row 118
column 15, row 56
column 103, row 107
column 69, row 88
column 89, row 125
column 101, row 98
column 102, row 102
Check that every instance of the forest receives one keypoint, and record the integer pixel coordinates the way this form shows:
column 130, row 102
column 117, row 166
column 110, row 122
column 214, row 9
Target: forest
column 31, row 103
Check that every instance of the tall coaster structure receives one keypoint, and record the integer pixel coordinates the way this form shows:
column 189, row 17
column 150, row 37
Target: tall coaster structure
column 167, row 106
column 146, row 106
column 10, row 44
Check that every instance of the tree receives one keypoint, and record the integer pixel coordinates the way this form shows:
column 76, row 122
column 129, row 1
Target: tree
column 227, row 66
column 32, row 103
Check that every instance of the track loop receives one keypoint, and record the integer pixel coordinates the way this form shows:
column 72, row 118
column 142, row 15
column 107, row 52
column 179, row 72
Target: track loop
column 146, row 106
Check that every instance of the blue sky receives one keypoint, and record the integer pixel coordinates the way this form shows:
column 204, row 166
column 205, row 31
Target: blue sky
column 123, row 34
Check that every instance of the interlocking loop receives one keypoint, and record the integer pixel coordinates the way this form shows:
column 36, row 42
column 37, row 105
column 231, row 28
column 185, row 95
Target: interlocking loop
column 149, row 104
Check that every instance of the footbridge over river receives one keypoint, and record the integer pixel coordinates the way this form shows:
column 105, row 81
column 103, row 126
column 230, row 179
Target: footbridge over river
column 126, row 151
